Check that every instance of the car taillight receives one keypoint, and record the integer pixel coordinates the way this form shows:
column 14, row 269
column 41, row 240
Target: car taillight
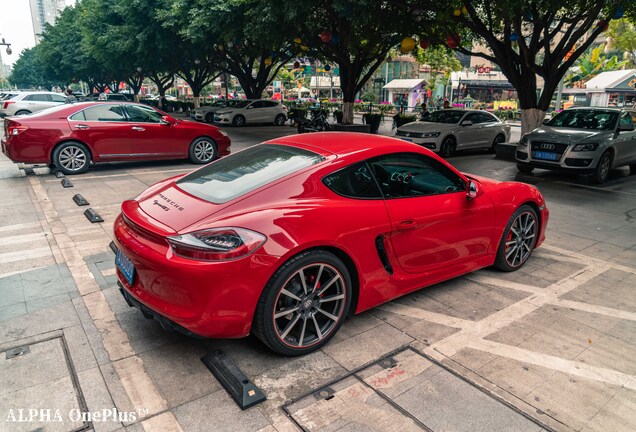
column 284, row 107
column 217, row 244
column 14, row 130
column 7, row 103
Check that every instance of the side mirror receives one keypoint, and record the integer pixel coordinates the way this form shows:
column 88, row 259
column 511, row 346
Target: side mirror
column 467, row 123
column 473, row 191
column 250, row 107
column 167, row 121
column 625, row 127
column 545, row 121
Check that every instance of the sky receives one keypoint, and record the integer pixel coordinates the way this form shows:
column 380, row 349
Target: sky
column 16, row 27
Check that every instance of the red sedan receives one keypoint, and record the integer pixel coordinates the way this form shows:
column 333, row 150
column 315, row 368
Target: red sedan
column 287, row 238
column 73, row 136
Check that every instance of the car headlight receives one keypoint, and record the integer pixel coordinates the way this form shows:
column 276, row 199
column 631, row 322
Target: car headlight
column 523, row 141
column 226, row 113
column 431, row 134
column 585, row 147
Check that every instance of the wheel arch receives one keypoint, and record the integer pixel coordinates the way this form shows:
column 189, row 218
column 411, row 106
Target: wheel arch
column 70, row 140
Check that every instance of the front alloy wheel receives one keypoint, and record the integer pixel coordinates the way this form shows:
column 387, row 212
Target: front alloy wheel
column 202, row 150
column 304, row 304
column 519, row 240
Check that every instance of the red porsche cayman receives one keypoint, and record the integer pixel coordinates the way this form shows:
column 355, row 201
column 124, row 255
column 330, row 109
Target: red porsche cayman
column 287, row 238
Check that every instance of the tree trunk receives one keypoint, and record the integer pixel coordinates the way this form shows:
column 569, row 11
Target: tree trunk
column 347, row 113
column 531, row 119
column 197, row 98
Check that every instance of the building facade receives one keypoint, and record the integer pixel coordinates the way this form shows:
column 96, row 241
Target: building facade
column 42, row 12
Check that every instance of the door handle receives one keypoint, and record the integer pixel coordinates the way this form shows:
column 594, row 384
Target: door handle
column 138, row 128
column 81, row 126
column 405, row 224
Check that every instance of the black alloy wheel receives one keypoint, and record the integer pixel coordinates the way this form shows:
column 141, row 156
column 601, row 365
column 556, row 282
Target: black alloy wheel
column 519, row 239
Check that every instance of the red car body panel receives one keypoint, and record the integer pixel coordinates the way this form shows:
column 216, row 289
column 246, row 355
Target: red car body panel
column 107, row 141
column 297, row 213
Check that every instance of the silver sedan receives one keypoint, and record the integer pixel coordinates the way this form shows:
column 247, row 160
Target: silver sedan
column 450, row 130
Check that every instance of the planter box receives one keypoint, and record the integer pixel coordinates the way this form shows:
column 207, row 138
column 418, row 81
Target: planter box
column 352, row 128
column 505, row 151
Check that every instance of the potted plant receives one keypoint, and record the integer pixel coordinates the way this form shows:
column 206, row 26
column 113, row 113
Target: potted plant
column 373, row 120
column 400, row 119
column 338, row 115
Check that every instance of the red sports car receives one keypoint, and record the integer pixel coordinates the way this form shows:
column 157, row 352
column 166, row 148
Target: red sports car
column 73, row 136
column 287, row 238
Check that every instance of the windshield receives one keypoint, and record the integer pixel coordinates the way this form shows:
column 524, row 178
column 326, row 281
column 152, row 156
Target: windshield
column 242, row 172
column 241, row 104
column 585, row 119
column 446, row 116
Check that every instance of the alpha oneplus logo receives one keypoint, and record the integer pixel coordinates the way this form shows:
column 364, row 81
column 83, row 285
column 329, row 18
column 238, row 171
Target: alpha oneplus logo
column 170, row 202
column 29, row 415
column 157, row 203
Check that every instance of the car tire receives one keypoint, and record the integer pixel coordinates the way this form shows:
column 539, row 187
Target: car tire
column 448, row 147
column 209, row 118
column 603, row 167
column 526, row 169
column 21, row 112
column 202, row 150
column 518, row 240
column 71, row 158
column 498, row 140
column 299, row 289
column 280, row 120
column 238, row 121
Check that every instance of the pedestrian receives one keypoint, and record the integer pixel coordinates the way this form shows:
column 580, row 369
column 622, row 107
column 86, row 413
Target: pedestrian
column 70, row 97
column 446, row 104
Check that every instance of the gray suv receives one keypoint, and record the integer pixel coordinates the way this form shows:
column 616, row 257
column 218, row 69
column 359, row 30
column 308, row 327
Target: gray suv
column 582, row 140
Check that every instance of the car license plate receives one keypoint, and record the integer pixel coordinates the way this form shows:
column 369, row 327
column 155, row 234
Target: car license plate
column 125, row 266
column 407, row 139
column 545, row 156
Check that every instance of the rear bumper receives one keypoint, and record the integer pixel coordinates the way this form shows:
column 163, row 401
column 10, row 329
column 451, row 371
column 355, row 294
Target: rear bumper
column 208, row 299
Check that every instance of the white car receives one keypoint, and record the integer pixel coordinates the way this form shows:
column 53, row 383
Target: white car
column 252, row 111
column 206, row 113
column 449, row 130
column 30, row 102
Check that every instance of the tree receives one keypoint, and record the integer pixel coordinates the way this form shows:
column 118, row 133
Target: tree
column 29, row 71
column 243, row 43
column 622, row 37
column 354, row 34
column 529, row 38
column 591, row 64
column 441, row 59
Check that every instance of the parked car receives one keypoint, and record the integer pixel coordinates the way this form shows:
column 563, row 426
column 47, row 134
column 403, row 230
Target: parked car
column 8, row 94
column 243, row 246
column 449, row 130
column 71, row 137
column 206, row 113
column 30, row 102
column 581, row 140
column 252, row 111
column 113, row 97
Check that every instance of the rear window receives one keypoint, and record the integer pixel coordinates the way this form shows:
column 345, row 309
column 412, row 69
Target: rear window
column 243, row 172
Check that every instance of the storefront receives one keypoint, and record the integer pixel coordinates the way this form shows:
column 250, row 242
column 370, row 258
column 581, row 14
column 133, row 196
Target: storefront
column 482, row 86
column 614, row 88
column 407, row 93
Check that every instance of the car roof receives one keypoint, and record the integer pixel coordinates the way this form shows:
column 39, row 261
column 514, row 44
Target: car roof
column 345, row 144
column 596, row 108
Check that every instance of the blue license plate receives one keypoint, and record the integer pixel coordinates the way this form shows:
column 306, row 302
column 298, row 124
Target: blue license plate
column 545, row 156
column 407, row 139
column 125, row 266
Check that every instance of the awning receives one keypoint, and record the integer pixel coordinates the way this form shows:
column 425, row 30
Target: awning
column 404, row 85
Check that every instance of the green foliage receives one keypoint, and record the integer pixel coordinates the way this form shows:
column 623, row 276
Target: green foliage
column 622, row 38
column 401, row 119
column 370, row 97
column 441, row 59
column 591, row 64
column 29, row 71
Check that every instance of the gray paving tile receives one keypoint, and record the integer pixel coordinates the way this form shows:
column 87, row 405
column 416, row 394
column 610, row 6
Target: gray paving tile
column 617, row 415
column 146, row 334
column 11, row 291
column 98, row 398
column 12, row 311
column 43, row 303
column 56, row 317
column 429, row 332
column 608, row 292
column 222, row 414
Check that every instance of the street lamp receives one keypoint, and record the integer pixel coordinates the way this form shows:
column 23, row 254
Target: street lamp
column 8, row 45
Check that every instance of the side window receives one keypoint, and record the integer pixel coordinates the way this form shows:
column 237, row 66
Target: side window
column 257, row 104
column 106, row 113
column 486, row 118
column 58, row 98
column 355, row 181
column 625, row 119
column 142, row 114
column 78, row 116
column 270, row 104
column 474, row 117
column 38, row 98
column 414, row 175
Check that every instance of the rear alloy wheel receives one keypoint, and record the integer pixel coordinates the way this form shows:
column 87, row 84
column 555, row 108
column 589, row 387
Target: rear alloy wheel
column 602, row 170
column 304, row 303
column 21, row 112
column 519, row 239
column 238, row 121
column 72, row 158
column 280, row 120
column 498, row 140
column 448, row 147
column 209, row 118
column 202, row 150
